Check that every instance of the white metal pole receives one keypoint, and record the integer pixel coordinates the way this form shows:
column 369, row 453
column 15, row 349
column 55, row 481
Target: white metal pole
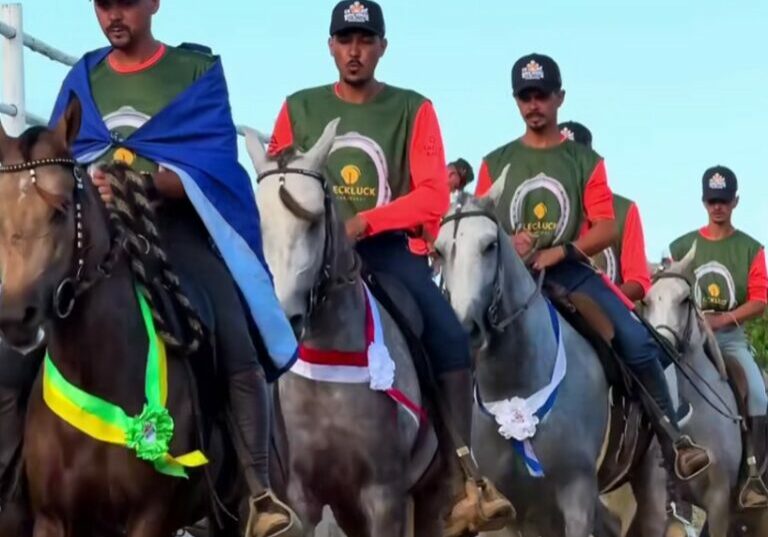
column 13, row 70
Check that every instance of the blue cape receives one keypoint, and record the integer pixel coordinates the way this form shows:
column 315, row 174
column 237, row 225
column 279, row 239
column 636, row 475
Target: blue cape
column 195, row 137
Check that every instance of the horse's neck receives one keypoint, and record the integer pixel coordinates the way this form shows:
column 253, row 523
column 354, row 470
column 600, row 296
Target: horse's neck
column 521, row 358
column 338, row 323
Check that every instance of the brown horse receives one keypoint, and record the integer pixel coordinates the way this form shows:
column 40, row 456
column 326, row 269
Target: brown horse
column 64, row 275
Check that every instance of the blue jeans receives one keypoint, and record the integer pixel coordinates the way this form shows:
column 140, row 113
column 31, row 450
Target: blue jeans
column 632, row 340
column 734, row 346
column 444, row 338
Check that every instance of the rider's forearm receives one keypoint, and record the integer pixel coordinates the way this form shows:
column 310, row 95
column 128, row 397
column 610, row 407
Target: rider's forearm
column 599, row 237
column 632, row 290
column 746, row 312
column 168, row 184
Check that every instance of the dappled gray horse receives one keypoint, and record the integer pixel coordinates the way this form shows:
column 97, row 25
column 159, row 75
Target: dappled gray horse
column 520, row 355
column 669, row 306
column 348, row 446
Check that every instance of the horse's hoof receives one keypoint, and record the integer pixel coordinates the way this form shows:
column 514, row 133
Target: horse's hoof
column 269, row 517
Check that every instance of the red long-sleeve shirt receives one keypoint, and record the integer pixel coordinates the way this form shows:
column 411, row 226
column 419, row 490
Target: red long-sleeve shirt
column 429, row 198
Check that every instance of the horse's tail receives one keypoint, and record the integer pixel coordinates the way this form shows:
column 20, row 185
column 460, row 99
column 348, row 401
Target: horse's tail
column 134, row 217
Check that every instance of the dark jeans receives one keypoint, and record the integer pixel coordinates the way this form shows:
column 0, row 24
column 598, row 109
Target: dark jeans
column 632, row 340
column 444, row 338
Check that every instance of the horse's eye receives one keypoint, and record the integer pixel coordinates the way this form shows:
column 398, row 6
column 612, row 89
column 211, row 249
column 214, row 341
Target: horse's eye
column 490, row 247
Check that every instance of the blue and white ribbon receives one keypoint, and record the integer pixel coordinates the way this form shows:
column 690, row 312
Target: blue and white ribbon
column 518, row 417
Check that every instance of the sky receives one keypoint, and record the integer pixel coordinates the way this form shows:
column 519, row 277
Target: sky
column 668, row 88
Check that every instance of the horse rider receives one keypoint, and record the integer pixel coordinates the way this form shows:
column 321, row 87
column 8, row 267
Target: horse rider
column 121, row 88
column 388, row 179
column 731, row 287
column 624, row 261
column 460, row 174
column 551, row 186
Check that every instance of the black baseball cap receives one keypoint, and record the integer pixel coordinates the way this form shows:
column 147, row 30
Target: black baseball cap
column 464, row 169
column 357, row 15
column 719, row 183
column 536, row 71
column 576, row 132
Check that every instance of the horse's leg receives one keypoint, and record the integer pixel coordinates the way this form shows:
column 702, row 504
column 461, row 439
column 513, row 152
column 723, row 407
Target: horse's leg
column 649, row 488
column 385, row 509
column 718, row 507
column 305, row 505
column 607, row 524
column 576, row 499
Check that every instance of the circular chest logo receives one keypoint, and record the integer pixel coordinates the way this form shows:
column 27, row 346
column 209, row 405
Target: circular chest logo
column 540, row 205
column 350, row 174
column 124, row 155
column 608, row 263
column 715, row 287
column 358, row 167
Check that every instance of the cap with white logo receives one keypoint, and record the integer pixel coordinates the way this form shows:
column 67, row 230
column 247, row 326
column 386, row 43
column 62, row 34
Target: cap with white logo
column 719, row 183
column 536, row 71
column 356, row 15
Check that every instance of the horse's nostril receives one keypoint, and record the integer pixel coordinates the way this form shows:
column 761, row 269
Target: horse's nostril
column 30, row 313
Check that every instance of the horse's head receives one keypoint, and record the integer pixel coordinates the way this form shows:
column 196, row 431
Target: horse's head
column 296, row 220
column 468, row 251
column 668, row 305
column 37, row 225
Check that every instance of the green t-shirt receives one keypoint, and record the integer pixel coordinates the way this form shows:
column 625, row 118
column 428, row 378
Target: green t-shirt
column 369, row 163
column 544, row 188
column 128, row 100
column 609, row 260
column 721, row 268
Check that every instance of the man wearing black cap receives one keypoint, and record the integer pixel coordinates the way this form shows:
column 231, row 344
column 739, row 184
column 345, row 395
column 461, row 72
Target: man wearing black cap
column 387, row 174
column 732, row 288
column 460, row 174
column 624, row 262
column 545, row 189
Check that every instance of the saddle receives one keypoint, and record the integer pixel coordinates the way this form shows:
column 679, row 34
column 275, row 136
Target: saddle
column 628, row 436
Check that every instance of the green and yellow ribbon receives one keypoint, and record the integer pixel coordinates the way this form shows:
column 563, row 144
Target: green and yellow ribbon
column 149, row 434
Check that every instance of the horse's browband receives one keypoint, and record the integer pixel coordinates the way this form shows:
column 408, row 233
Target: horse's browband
column 32, row 164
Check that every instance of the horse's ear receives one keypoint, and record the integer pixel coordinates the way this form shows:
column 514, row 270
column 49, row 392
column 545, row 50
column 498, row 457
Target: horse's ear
column 684, row 265
column 498, row 186
column 319, row 152
column 256, row 149
column 68, row 127
column 487, row 204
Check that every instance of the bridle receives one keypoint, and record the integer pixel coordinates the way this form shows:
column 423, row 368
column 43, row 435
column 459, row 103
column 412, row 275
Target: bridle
column 326, row 281
column 681, row 341
column 77, row 283
column 495, row 314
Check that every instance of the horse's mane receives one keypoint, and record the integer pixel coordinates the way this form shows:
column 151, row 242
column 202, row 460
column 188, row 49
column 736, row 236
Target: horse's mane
column 285, row 156
column 28, row 139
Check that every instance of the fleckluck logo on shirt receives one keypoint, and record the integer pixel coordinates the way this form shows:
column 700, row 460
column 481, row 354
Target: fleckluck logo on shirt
column 356, row 13
column 715, row 287
column 717, row 182
column 364, row 175
column 547, row 217
column 533, row 71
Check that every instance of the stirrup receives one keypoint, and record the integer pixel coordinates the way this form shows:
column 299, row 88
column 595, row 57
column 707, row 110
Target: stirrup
column 685, row 442
column 482, row 509
column 271, row 524
column 754, row 493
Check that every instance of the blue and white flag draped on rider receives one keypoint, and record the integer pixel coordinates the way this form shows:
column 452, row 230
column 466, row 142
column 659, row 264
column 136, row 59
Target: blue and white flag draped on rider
column 517, row 417
column 195, row 137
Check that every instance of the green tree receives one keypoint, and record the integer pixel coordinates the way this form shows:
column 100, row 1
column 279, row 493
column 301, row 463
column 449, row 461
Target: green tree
column 757, row 331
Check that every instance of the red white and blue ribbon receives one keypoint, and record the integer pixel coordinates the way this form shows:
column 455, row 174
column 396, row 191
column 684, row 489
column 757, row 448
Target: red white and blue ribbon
column 518, row 418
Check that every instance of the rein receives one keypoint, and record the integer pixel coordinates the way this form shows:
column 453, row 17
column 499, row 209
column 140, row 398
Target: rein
column 494, row 313
column 325, row 281
column 73, row 286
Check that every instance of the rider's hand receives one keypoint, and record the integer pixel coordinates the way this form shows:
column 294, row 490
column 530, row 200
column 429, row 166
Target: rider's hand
column 523, row 242
column 356, row 227
column 100, row 181
column 717, row 321
column 548, row 258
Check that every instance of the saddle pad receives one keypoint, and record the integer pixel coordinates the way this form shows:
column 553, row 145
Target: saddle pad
column 374, row 365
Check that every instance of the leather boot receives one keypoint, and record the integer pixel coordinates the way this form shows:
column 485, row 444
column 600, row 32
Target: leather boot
column 754, row 494
column 249, row 424
column 477, row 506
column 686, row 457
column 11, row 429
